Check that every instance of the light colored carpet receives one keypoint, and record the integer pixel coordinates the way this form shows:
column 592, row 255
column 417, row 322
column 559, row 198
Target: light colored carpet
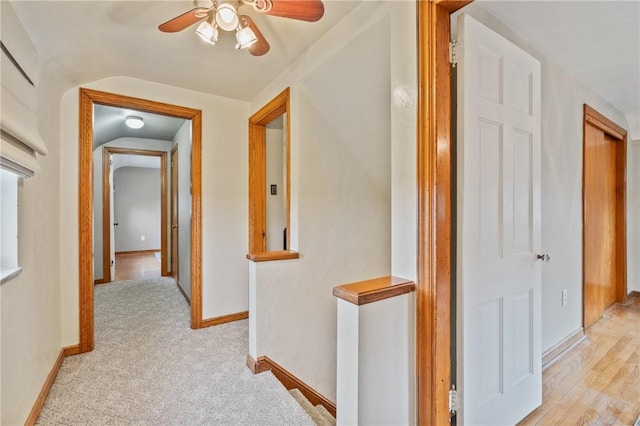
column 150, row 368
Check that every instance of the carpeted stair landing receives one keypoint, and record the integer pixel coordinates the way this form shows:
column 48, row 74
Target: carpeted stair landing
column 150, row 368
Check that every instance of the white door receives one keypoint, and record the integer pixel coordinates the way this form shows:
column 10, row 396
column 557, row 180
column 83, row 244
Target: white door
column 112, row 239
column 499, row 371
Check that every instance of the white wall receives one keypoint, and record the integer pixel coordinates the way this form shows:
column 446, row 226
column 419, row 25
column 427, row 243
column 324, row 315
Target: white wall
column 562, row 111
column 131, row 143
column 137, row 205
column 633, row 216
column 29, row 309
column 276, row 219
column 224, row 195
column 183, row 141
column 345, row 119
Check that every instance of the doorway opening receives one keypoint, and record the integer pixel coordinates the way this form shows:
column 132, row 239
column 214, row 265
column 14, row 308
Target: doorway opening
column 604, row 267
column 134, row 216
column 88, row 100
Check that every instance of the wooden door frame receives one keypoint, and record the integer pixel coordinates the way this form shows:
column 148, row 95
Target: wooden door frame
column 87, row 98
column 106, row 208
column 600, row 121
column 174, row 242
column 433, row 289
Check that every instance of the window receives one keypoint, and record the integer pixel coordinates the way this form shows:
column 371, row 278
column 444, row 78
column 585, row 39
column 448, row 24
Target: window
column 8, row 226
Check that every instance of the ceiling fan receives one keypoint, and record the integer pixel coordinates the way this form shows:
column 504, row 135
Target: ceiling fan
column 224, row 15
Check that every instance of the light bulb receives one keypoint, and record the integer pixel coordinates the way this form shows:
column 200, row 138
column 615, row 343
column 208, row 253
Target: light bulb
column 207, row 32
column 227, row 17
column 134, row 122
column 246, row 37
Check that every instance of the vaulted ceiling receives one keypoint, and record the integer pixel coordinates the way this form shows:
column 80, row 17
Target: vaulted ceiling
column 83, row 41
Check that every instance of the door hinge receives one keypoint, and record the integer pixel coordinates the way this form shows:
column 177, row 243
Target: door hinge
column 453, row 52
column 453, row 400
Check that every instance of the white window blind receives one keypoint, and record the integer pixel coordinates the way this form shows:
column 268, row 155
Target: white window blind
column 20, row 140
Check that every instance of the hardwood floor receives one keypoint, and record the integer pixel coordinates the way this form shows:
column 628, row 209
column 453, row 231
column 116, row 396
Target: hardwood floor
column 597, row 382
column 136, row 266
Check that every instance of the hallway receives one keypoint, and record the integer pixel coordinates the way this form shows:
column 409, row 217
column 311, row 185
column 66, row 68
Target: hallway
column 137, row 265
column 597, row 382
column 150, row 368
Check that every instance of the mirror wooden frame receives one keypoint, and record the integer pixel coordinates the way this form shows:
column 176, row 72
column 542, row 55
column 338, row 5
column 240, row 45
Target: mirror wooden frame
column 278, row 106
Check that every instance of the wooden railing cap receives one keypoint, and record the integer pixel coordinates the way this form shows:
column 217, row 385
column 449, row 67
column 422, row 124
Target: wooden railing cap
column 363, row 292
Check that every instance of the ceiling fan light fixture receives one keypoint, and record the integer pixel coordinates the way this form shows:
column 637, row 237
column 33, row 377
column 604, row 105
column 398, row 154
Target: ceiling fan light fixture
column 227, row 17
column 134, row 121
column 246, row 37
column 207, row 32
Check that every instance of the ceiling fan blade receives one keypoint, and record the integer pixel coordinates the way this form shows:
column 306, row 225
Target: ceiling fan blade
column 261, row 46
column 181, row 22
column 303, row 10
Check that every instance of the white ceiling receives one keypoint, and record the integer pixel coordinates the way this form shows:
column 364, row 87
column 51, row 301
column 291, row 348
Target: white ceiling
column 82, row 41
column 128, row 160
column 108, row 124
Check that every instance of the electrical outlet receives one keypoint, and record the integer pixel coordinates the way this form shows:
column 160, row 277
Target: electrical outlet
column 142, row 238
column 564, row 297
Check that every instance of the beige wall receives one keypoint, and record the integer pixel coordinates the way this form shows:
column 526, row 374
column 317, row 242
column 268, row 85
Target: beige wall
column 633, row 216
column 224, row 195
column 30, row 324
column 352, row 109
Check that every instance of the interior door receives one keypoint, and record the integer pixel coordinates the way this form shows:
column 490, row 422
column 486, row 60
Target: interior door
column 499, row 359
column 174, row 213
column 604, row 228
column 112, row 236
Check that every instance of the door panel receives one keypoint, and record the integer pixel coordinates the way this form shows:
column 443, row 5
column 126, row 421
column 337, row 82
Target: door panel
column 499, row 279
column 600, row 223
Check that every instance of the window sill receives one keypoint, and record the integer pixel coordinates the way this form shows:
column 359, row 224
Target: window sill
column 273, row 255
column 8, row 274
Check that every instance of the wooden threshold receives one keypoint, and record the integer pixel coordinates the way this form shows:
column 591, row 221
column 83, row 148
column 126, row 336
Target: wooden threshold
column 225, row 319
column 289, row 381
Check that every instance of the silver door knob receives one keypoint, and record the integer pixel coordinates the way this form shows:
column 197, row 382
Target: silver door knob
column 543, row 257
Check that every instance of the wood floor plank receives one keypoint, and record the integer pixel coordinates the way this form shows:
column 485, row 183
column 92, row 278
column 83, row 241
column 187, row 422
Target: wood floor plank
column 136, row 266
column 598, row 381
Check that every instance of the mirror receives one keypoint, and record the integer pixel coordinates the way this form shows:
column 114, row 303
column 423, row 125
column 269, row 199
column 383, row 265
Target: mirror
column 269, row 179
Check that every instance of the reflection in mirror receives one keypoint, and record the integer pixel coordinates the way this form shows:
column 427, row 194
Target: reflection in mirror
column 269, row 195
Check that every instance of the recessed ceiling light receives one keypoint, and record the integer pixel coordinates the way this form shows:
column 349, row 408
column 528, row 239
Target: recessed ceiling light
column 134, row 122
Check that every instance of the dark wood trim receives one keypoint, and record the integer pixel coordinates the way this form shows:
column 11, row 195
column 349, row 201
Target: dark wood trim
column 289, row 381
column 71, row 350
column 363, row 292
column 138, row 251
column 85, row 221
column 106, row 211
column 100, row 281
column 594, row 118
column 633, row 293
column 225, row 319
column 87, row 98
column 556, row 352
column 273, row 255
column 44, row 391
column 279, row 105
column 433, row 333
column 106, row 217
